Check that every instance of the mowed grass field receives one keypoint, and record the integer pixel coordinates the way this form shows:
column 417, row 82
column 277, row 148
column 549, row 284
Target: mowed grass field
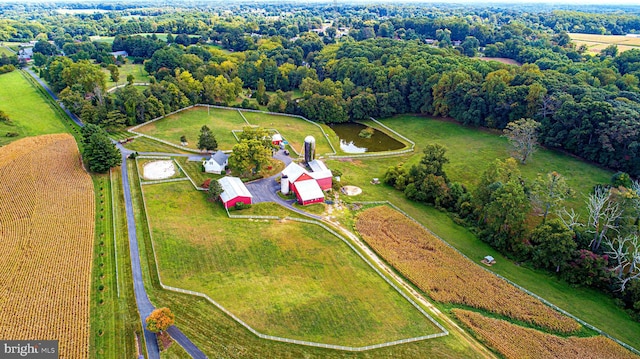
column 293, row 130
column 293, row 280
column 47, row 241
column 470, row 151
column 189, row 122
column 137, row 70
column 597, row 43
column 28, row 109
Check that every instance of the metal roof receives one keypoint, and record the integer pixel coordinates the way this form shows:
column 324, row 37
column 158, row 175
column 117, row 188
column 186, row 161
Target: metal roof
column 308, row 190
column 294, row 171
column 233, row 187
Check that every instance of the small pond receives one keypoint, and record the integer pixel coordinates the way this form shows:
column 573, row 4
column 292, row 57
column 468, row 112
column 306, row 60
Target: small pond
column 352, row 142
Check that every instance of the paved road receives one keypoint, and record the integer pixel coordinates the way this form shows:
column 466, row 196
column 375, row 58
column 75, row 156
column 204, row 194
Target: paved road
column 44, row 85
column 142, row 300
column 264, row 190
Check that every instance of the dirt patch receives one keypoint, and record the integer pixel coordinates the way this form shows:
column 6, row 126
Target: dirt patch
column 158, row 170
column 351, row 190
column 503, row 60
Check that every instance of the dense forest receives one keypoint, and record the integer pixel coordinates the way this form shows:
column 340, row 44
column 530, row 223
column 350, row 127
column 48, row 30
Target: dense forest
column 347, row 63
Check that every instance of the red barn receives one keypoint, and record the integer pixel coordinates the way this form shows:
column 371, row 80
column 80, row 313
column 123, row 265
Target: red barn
column 276, row 139
column 308, row 185
column 308, row 192
column 234, row 191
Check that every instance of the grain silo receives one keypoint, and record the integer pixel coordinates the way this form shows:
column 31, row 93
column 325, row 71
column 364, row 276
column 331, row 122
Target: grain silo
column 309, row 149
column 284, row 184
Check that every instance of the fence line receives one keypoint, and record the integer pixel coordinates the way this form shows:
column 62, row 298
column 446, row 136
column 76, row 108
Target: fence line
column 165, row 181
column 332, row 155
column 189, row 177
column 113, row 223
column 287, row 340
column 592, row 327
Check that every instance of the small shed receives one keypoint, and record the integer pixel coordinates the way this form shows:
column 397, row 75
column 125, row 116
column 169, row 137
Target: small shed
column 276, row 139
column 234, row 191
column 488, row 260
column 216, row 163
column 309, row 192
column 119, row 53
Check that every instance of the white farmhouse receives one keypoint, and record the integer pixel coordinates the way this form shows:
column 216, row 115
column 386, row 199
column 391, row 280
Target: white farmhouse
column 216, row 163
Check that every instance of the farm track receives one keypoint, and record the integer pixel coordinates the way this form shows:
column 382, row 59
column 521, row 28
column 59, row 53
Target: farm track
column 462, row 334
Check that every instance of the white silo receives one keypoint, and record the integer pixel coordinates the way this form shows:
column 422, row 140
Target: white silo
column 284, row 185
column 309, row 149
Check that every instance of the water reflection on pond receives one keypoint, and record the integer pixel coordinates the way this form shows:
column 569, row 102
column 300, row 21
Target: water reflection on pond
column 351, row 142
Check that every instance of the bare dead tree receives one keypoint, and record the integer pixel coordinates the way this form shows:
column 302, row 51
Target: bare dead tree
column 569, row 218
column 625, row 253
column 603, row 215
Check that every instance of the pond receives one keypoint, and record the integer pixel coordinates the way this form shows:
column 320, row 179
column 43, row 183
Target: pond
column 352, row 142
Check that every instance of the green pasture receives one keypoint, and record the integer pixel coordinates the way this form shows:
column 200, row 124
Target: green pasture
column 294, row 130
column 294, row 280
column 137, row 70
column 470, row 151
column 193, row 169
column 189, row 122
column 145, row 144
column 30, row 111
column 6, row 51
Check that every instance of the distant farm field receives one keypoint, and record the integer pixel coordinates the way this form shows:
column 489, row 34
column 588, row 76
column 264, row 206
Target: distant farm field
column 31, row 114
column 137, row 70
column 597, row 43
column 189, row 122
column 293, row 280
column 47, row 221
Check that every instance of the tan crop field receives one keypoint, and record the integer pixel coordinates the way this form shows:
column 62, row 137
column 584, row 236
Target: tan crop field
column 514, row 341
column 597, row 43
column 447, row 276
column 46, row 235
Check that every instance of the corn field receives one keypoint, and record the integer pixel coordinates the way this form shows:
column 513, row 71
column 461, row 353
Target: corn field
column 46, row 235
column 448, row 277
column 517, row 342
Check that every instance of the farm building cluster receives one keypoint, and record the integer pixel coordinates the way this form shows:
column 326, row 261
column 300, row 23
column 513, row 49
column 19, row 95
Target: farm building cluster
column 308, row 182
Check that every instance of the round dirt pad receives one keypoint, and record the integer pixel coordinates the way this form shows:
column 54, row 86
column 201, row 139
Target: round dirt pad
column 158, row 170
column 351, row 190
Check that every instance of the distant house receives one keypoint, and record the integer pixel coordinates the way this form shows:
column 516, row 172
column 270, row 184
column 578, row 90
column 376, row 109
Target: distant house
column 216, row 163
column 119, row 53
column 276, row 139
column 234, row 191
column 25, row 54
column 308, row 186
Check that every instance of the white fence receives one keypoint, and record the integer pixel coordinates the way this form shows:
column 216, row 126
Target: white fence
column 443, row 332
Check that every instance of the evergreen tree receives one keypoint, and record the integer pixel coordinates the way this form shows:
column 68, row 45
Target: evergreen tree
column 207, row 141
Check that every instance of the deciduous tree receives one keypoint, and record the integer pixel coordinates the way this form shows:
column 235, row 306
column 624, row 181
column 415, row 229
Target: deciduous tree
column 553, row 244
column 160, row 319
column 523, row 136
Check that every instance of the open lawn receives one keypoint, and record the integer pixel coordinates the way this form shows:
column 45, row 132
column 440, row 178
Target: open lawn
column 6, row 51
column 201, row 321
column 293, row 130
column 470, row 151
column 296, row 280
column 145, row 144
column 597, row 43
column 189, row 122
column 137, row 70
column 30, row 112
